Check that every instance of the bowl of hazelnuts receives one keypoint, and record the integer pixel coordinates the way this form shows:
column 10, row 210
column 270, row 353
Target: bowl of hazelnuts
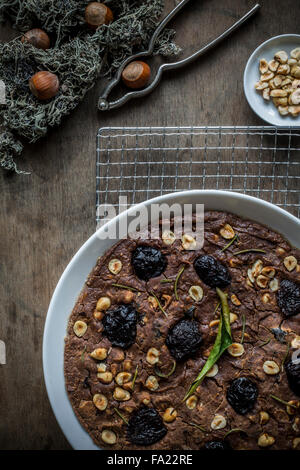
column 272, row 81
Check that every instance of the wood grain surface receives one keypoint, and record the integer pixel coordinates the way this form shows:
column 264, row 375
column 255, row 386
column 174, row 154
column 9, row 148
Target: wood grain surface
column 46, row 216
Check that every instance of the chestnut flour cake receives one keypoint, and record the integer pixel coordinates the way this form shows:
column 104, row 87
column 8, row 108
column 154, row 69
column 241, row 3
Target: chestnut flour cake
column 146, row 323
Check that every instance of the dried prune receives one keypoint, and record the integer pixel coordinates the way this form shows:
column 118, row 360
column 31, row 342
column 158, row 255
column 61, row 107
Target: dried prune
column 145, row 427
column 120, row 325
column 242, row 395
column 211, row 271
column 216, row 445
column 184, row 339
column 292, row 369
column 148, row 262
column 288, row 298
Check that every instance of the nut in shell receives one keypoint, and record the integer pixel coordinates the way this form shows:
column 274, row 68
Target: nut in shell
column 262, row 281
column 263, row 417
column 100, row 354
column 271, row 367
column 152, row 356
column 290, row 262
column 152, row 383
column 44, row 85
column 227, row 231
column 168, row 237
column 100, row 401
column 188, row 242
column 236, row 350
column 123, row 377
column 121, row 395
column 219, row 422
column 170, row 415
column 115, row 266
column 80, row 328
column 108, row 436
column 196, row 293
column 265, row 440
column 191, row 402
column 213, row 371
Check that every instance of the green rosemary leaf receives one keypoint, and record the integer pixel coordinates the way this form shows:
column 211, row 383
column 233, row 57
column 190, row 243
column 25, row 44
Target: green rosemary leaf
column 234, row 430
column 165, row 376
column 135, row 376
column 230, row 243
column 197, row 426
column 222, row 342
column 285, row 356
column 243, row 328
column 282, row 401
column 256, row 250
column 159, row 304
column 122, row 286
column 166, row 281
column 121, row 416
column 265, row 342
column 176, row 282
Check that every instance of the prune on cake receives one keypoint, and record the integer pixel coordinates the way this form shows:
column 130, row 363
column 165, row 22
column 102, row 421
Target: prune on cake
column 148, row 262
column 216, row 445
column 120, row 325
column 242, row 395
column 292, row 369
column 288, row 298
column 145, row 427
column 211, row 271
column 184, row 339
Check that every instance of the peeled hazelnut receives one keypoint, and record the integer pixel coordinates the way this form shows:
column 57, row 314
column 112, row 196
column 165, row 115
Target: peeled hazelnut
column 105, row 377
column 263, row 417
column 123, row 377
column 265, row 440
column 273, row 65
column 227, row 231
column 235, row 300
column 191, row 402
column 290, row 263
column 196, row 293
column 295, row 71
column 121, row 395
column 127, row 296
column 152, row 383
column 136, row 75
column 266, row 76
column 170, row 415
column 284, row 69
column 256, row 268
column 294, row 110
column 296, row 424
column 44, row 85
column 127, row 364
column 213, row 371
column 236, row 349
column 266, row 298
column 109, row 437
column 290, row 409
column 294, row 98
column 188, row 242
column 153, row 302
column 271, row 368
column 214, row 323
column 295, row 53
column 232, row 317
column 295, row 343
column 145, row 398
column 268, row 271
column 103, row 304
column 101, row 367
column 262, row 281
column 274, row 285
column 118, row 355
column 219, row 422
column 98, row 315
column 261, row 85
column 278, row 93
column 114, row 368
column 281, row 56
column 80, row 328
column 263, row 66
column 277, row 81
column 152, row 356
column 98, row 14
column 100, row 354
column 115, row 266
column 168, row 237
column 38, row 38
column 296, row 443
column 266, row 94
column 100, row 401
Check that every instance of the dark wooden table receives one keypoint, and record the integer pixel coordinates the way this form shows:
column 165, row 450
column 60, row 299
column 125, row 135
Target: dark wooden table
column 45, row 217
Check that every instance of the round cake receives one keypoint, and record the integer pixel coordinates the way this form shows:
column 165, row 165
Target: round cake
column 156, row 313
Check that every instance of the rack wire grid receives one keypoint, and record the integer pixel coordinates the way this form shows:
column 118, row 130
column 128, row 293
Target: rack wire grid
column 145, row 162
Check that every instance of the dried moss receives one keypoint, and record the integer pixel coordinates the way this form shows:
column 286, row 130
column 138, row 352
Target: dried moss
column 78, row 56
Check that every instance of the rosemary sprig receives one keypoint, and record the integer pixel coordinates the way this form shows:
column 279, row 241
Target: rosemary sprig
column 176, row 282
column 165, row 376
column 166, row 281
column 121, row 416
column 135, row 376
column 234, row 430
column 222, row 342
column 197, row 426
column 159, row 304
column 243, row 328
column 265, row 342
column 122, row 286
column 282, row 401
column 230, row 243
column 256, row 250
column 285, row 356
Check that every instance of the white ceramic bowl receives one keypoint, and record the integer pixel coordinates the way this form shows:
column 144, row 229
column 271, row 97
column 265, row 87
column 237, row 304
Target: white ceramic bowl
column 266, row 110
column 73, row 278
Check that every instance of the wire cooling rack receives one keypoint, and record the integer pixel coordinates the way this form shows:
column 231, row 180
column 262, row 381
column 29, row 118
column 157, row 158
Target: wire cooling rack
column 142, row 163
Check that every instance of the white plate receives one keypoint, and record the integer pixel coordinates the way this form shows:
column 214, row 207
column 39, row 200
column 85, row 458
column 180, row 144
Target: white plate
column 266, row 110
column 73, row 278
